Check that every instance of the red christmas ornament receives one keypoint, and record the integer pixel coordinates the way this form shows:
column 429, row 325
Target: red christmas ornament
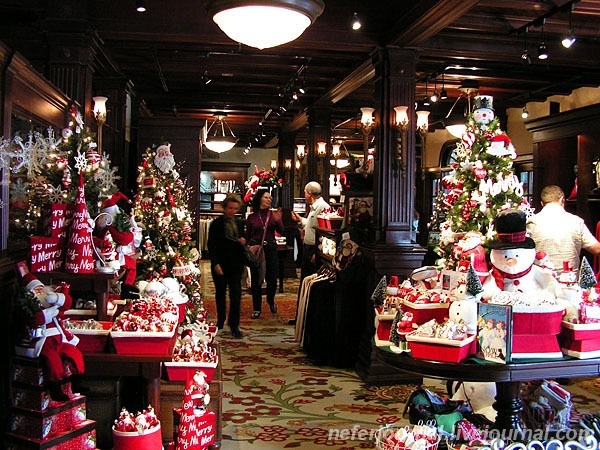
column 468, row 139
column 479, row 171
column 80, row 255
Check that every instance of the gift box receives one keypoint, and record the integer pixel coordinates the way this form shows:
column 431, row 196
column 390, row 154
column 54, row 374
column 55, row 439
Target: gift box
column 51, row 422
column 132, row 440
column 205, row 428
column 27, row 371
column 91, row 341
column 30, row 397
column 143, row 343
column 580, row 340
column 82, row 437
column 383, row 327
column 424, row 312
column 184, row 370
column 535, row 333
column 445, row 350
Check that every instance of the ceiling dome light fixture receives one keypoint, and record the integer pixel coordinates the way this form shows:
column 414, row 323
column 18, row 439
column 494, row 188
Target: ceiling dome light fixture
column 219, row 137
column 264, row 23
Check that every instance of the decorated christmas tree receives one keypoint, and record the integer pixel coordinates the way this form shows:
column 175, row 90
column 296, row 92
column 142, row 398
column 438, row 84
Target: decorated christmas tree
column 161, row 210
column 379, row 293
column 587, row 278
column 41, row 170
column 481, row 184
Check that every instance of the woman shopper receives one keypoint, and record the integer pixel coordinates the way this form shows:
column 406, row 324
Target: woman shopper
column 261, row 226
column 225, row 245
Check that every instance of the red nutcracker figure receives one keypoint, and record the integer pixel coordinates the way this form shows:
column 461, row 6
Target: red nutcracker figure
column 55, row 343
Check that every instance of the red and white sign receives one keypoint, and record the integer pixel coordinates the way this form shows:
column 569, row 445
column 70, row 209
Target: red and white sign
column 46, row 253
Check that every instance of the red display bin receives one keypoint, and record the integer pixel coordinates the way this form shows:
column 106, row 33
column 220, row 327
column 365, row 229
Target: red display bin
column 445, row 350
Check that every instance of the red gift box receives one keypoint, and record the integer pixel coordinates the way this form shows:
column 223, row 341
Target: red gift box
column 535, row 334
column 331, row 223
column 580, row 340
column 424, row 312
column 445, row 350
column 383, row 327
column 143, row 343
column 184, row 370
column 46, row 253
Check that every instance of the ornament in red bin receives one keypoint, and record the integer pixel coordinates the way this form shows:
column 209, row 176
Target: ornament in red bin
column 47, row 338
column 195, row 402
column 80, row 256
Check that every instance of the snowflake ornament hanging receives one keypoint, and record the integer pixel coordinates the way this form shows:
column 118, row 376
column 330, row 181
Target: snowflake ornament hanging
column 106, row 179
column 56, row 194
column 80, row 161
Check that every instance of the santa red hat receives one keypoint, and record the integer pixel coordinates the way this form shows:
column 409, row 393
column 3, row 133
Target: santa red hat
column 109, row 205
column 28, row 280
column 500, row 145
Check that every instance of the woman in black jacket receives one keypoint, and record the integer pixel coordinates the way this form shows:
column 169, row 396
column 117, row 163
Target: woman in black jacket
column 225, row 245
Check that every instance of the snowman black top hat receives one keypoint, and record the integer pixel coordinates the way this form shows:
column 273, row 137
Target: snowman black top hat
column 511, row 229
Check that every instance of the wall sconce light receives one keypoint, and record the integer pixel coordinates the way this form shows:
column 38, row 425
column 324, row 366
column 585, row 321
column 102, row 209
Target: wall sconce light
column 335, row 154
column 422, row 129
column 300, row 152
column 321, row 149
column 287, row 165
column 273, row 165
column 367, row 122
column 100, row 116
column 401, row 124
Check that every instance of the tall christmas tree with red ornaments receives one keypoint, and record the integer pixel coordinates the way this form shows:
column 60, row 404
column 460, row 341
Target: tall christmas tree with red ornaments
column 481, row 184
column 161, row 210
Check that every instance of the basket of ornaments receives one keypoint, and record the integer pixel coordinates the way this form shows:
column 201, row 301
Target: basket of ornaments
column 193, row 351
column 146, row 327
column 423, row 297
column 92, row 334
column 414, row 437
column 137, row 432
column 446, row 342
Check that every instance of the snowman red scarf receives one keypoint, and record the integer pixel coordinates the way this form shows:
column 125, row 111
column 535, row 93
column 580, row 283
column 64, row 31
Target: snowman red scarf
column 500, row 276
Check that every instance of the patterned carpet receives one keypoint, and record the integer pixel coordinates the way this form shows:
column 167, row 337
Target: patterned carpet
column 274, row 397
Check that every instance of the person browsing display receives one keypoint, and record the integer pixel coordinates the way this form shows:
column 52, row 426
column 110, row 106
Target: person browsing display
column 225, row 245
column 316, row 203
column 561, row 235
column 261, row 226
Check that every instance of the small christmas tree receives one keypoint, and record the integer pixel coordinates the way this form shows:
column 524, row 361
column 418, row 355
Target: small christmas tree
column 482, row 181
column 379, row 293
column 161, row 209
column 587, row 278
column 394, row 335
column 474, row 285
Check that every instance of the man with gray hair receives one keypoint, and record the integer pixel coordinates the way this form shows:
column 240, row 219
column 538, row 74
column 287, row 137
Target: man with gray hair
column 316, row 204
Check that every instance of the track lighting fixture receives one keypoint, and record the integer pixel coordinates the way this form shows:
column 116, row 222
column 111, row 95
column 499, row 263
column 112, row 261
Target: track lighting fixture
column 443, row 93
column 205, row 78
column 426, row 99
column 140, row 6
column 525, row 58
column 356, row 23
column 524, row 113
column 570, row 38
column 542, row 50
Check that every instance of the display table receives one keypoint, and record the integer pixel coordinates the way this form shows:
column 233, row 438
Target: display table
column 147, row 367
column 508, row 377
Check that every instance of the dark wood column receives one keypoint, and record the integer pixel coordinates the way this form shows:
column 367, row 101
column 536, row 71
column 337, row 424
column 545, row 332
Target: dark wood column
column 395, row 250
column 319, row 121
column 287, row 147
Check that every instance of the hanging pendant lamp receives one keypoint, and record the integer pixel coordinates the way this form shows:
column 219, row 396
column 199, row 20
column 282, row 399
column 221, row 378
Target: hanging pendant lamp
column 219, row 136
column 264, row 23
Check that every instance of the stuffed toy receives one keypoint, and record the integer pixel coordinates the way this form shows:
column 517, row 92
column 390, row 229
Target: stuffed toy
column 113, row 224
column 53, row 343
column 512, row 258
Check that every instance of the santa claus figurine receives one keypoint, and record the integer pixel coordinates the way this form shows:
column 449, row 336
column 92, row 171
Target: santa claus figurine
column 52, row 342
column 469, row 251
column 126, row 235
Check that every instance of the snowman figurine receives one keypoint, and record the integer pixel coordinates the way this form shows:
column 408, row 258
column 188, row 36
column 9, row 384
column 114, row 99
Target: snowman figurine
column 466, row 296
column 483, row 110
column 512, row 258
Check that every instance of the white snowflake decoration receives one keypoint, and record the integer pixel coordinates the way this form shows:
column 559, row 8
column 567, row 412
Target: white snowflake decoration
column 106, row 179
column 151, row 253
column 19, row 191
column 80, row 161
column 56, row 195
